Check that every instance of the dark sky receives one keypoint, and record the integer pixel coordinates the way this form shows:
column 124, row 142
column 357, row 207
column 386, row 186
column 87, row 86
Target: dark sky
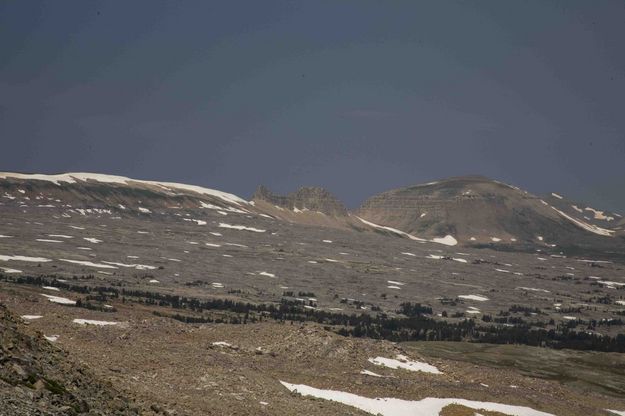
column 356, row 96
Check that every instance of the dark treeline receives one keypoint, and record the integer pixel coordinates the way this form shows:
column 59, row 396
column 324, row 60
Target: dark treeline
column 414, row 323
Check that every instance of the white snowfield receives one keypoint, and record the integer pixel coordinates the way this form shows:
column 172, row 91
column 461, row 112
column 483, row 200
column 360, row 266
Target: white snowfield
column 532, row 289
column 92, row 240
column 74, row 177
column 31, row 317
column 616, row 412
column 448, row 240
column 198, row 222
column 439, row 257
column 401, row 361
column 94, row 322
column 599, row 215
column 58, row 299
column 370, row 373
column 24, row 258
column 229, row 209
column 8, row 270
column 389, row 406
column 241, row 227
column 393, row 230
column 610, row 283
column 474, row 297
column 588, row 227
column 89, row 263
column 134, row 266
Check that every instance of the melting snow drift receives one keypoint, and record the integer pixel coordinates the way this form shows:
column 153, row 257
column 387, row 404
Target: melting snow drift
column 401, row 361
column 388, row 406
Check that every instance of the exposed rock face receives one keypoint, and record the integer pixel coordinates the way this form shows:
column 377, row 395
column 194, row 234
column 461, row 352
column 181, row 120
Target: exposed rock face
column 477, row 210
column 305, row 198
column 37, row 378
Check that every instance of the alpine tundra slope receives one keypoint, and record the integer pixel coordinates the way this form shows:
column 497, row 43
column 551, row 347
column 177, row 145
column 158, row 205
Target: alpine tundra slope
column 463, row 296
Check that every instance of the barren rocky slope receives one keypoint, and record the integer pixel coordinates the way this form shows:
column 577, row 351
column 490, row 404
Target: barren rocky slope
column 304, row 199
column 478, row 211
column 37, row 378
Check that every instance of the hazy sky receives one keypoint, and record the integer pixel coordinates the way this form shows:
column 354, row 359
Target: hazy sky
column 356, row 96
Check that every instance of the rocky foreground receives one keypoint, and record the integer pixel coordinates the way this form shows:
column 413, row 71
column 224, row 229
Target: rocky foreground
column 37, row 378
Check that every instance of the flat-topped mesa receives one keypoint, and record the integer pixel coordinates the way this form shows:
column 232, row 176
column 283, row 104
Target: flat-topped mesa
column 476, row 211
column 308, row 198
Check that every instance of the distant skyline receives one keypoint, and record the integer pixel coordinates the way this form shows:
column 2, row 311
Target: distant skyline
column 355, row 96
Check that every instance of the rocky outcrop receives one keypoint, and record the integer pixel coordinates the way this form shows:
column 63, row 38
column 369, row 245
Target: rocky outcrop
column 304, row 199
column 36, row 378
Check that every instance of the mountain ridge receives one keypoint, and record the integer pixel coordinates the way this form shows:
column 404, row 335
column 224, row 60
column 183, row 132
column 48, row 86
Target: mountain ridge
column 472, row 210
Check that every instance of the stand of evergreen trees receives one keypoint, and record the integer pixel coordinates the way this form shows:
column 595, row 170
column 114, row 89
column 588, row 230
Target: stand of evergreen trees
column 415, row 324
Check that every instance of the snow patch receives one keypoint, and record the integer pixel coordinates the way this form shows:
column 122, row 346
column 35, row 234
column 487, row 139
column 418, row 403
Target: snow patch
column 401, row 361
column 94, row 322
column 370, row 373
column 588, row 227
column 9, row 270
column 448, row 240
column 240, row 227
column 89, row 264
column 82, row 176
column 58, row 299
column 388, row 406
column 24, row 258
column 393, row 230
column 474, row 297
column 532, row 289
column 198, row 222
column 599, row 215
column 135, row 266
column 31, row 317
